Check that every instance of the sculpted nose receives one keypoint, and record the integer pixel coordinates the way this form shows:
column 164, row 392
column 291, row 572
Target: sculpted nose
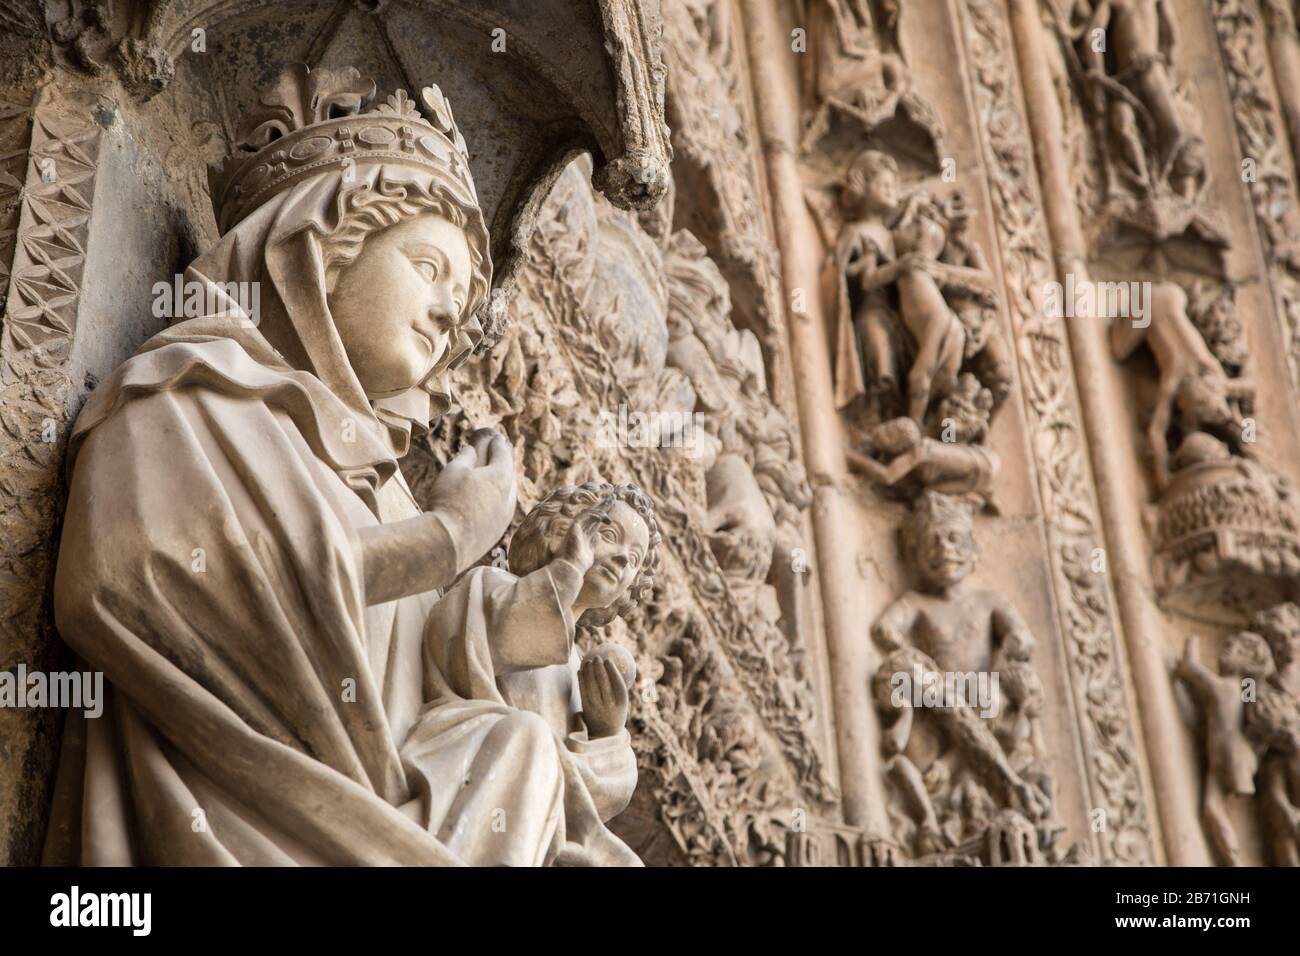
column 440, row 311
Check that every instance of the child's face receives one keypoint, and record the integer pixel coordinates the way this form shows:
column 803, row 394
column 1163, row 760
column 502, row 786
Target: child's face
column 619, row 549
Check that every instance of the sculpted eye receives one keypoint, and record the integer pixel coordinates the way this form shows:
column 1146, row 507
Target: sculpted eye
column 608, row 534
column 427, row 268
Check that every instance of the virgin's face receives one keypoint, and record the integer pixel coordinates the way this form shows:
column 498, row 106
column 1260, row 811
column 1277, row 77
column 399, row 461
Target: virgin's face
column 398, row 305
column 618, row 551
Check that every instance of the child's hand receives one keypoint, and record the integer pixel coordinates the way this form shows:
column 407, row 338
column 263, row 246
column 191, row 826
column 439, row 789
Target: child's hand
column 579, row 544
column 604, row 696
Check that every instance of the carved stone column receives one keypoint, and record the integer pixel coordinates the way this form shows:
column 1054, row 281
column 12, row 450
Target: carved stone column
column 1096, row 380
column 846, row 601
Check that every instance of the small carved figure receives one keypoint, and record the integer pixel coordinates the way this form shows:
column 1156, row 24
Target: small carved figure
column 896, row 454
column 1017, row 725
column 977, row 308
column 900, row 245
column 1275, row 723
column 953, row 754
column 1192, row 379
column 1231, row 760
column 1126, row 47
column 506, row 686
column 756, row 486
column 865, row 362
column 1280, row 626
column 851, row 72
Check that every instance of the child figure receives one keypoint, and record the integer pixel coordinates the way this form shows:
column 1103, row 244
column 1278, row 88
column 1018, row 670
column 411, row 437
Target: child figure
column 1231, row 760
column 520, row 753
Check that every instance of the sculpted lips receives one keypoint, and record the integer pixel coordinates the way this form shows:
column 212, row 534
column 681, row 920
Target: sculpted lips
column 429, row 333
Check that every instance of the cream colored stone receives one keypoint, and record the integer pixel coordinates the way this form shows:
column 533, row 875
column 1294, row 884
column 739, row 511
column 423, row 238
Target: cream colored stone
column 341, row 561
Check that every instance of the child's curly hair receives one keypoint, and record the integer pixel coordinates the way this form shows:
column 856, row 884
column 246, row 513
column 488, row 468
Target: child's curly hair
column 544, row 527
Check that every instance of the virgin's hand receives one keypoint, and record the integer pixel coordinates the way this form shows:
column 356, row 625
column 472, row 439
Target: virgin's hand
column 474, row 496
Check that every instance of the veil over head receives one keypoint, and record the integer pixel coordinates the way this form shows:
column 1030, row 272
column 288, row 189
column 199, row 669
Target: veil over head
column 280, row 244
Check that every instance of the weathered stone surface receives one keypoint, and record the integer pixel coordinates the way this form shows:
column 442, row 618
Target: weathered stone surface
column 617, row 403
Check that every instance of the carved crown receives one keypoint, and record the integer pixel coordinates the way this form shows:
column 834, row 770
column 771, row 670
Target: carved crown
column 311, row 120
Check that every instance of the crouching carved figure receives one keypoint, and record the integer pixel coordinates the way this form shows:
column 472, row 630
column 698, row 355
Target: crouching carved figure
column 961, row 700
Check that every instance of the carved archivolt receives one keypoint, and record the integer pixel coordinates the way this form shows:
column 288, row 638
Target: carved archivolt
column 1264, row 155
column 1086, row 619
column 47, row 186
column 719, row 189
column 49, row 178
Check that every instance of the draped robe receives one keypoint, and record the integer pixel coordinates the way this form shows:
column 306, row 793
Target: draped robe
column 502, row 719
column 210, row 566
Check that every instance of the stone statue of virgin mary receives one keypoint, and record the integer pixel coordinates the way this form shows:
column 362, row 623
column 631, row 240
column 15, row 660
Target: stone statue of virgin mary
column 240, row 555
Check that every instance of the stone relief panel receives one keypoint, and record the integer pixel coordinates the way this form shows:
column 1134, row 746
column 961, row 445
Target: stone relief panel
column 917, row 334
column 967, row 762
column 920, row 361
column 1167, row 180
column 632, row 350
column 1167, row 277
column 936, row 281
